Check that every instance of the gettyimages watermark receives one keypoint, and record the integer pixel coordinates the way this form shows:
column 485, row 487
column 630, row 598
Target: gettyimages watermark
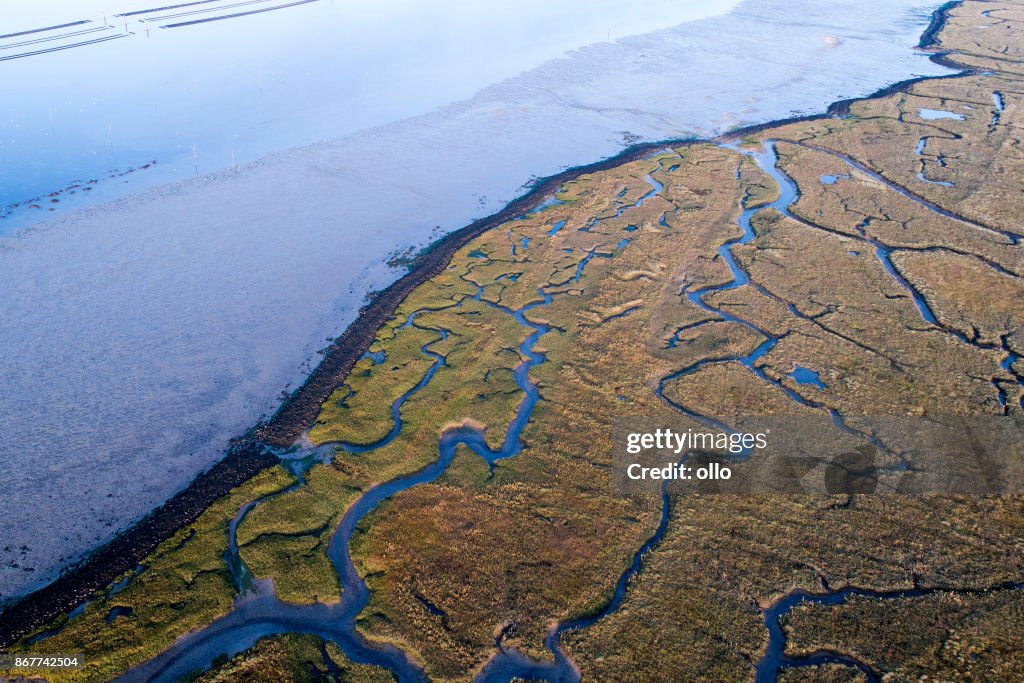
column 863, row 455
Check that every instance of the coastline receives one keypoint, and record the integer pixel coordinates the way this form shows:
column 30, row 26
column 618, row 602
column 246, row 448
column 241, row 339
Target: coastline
column 249, row 455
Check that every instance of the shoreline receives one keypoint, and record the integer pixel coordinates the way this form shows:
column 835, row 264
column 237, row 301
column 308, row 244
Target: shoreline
column 249, row 455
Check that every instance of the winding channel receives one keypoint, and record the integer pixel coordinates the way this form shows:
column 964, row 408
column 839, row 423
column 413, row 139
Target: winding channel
column 774, row 660
column 259, row 613
column 788, row 194
column 509, row 664
column 884, row 251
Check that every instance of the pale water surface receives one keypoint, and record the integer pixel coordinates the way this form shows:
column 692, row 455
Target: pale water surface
column 203, row 97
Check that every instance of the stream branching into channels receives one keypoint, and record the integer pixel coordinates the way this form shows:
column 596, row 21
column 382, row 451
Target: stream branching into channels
column 259, row 613
column 774, row 660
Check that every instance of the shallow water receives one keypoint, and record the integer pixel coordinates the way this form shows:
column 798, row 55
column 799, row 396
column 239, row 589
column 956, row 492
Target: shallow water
column 939, row 114
column 203, row 97
column 804, row 375
column 139, row 336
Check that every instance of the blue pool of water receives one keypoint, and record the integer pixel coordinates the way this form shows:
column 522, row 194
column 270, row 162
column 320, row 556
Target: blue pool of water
column 556, row 227
column 804, row 375
column 937, row 114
